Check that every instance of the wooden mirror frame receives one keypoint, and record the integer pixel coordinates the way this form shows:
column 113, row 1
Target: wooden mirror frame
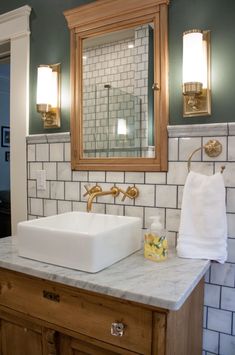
column 100, row 17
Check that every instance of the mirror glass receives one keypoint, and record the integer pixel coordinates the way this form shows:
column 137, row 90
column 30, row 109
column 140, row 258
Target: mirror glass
column 117, row 96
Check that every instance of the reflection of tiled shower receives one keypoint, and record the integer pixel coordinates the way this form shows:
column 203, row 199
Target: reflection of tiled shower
column 115, row 87
column 106, row 108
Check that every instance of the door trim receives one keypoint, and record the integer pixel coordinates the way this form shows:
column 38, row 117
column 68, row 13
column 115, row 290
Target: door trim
column 14, row 26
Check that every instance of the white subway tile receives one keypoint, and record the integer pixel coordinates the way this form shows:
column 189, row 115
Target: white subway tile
column 212, row 295
column 64, row 171
column 117, row 210
column 131, row 177
column 227, row 345
column 96, row 176
column 79, row 206
column 177, row 173
column 207, row 275
column 204, row 316
column 231, row 250
column 50, row 170
column 67, row 152
column 80, row 175
column 98, row 207
column 231, row 148
column 31, row 188
column 113, row 176
column 233, row 323
column 228, row 173
column 31, row 152
column 172, row 219
column 44, row 193
column 166, row 196
column 57, row 190
column 187, row 146
column 33, row 167
column 231, row 225
column 72, row 191
column 42, row 152
column 50, row 207
column 146, row 196
column 219, row 320
column 155, row 178
column 223, row 274
column 228, row 298
column 231, row 200
column 210, row 341
column 173, row 149
column 36, row 206
column 205, row 168
column 57, row 152
column 133, row 211
column 64, row 206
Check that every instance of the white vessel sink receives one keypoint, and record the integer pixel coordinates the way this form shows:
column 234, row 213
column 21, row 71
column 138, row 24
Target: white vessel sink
column 79, row 240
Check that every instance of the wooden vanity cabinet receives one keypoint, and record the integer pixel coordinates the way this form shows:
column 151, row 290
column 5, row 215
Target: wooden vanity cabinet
column 40, row 317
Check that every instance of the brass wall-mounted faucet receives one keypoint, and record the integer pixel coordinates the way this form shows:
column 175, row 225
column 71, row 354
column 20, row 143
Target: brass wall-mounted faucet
column 132, row 192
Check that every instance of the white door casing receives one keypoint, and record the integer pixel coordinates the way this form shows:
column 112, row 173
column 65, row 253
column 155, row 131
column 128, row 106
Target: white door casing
column 14, row 26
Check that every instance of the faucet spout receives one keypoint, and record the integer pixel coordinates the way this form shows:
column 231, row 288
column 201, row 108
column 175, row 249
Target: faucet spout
column 114, row 191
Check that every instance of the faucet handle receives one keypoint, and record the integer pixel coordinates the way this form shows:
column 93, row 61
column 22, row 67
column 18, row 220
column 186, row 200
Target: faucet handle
column 91, row 190
column 87, row 190
column 131, row 192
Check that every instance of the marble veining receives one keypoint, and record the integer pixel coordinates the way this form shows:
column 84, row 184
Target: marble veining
column 165, row 285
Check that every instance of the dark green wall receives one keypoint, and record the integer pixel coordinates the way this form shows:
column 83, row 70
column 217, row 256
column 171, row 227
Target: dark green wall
column 50, row 44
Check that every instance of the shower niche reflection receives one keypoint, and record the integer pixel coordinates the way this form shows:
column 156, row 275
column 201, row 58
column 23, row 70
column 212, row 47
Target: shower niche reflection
column 117, row 94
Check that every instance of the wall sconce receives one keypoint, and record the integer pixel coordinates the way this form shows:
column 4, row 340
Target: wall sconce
column 196, row 73
column 48, row 94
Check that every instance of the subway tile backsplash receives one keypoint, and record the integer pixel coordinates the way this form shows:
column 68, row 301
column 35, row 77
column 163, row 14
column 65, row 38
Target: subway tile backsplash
column 159, row 193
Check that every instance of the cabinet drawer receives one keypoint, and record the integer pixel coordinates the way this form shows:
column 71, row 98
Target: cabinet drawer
column 76, row 310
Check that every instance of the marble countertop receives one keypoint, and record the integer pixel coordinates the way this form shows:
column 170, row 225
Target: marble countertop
column 165, row 284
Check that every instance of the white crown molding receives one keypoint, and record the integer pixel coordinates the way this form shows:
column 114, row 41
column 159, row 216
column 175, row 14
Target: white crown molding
column 15, row 14
column 15, row 23
column 199, row 130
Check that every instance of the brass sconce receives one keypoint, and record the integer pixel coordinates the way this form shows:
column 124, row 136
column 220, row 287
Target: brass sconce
column 196, row 73
column 48, row 94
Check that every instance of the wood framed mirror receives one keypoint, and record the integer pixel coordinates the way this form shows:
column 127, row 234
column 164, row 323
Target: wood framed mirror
column 119, row 85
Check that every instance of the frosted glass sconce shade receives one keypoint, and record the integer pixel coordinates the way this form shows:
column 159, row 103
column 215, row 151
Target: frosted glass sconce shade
column 48, row 94
column 196, row 73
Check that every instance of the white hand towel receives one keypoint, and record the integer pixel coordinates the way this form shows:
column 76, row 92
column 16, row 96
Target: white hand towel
column 203, row 224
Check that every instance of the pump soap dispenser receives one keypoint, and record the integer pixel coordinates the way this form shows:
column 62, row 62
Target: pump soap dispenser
column 155, row 242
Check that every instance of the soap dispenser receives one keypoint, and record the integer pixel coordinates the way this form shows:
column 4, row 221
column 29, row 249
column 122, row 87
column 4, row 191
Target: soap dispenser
column 155, row 242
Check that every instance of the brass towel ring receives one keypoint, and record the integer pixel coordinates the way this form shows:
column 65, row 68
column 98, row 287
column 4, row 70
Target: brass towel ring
column 213, row 148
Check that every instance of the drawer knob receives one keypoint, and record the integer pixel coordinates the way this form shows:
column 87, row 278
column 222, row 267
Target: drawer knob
column 117, row 329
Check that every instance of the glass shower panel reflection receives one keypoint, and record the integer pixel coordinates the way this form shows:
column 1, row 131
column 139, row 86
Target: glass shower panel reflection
column 113, row 124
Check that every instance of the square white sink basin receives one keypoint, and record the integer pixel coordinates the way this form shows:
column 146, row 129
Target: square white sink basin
column 79, row 240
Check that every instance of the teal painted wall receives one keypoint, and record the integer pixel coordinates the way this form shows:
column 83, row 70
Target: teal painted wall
column 50, row 44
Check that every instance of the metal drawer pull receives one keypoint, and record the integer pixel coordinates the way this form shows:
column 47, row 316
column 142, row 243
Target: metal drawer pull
column 117, row 329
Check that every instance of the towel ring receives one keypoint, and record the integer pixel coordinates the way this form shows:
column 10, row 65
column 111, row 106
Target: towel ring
column 213, row 148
